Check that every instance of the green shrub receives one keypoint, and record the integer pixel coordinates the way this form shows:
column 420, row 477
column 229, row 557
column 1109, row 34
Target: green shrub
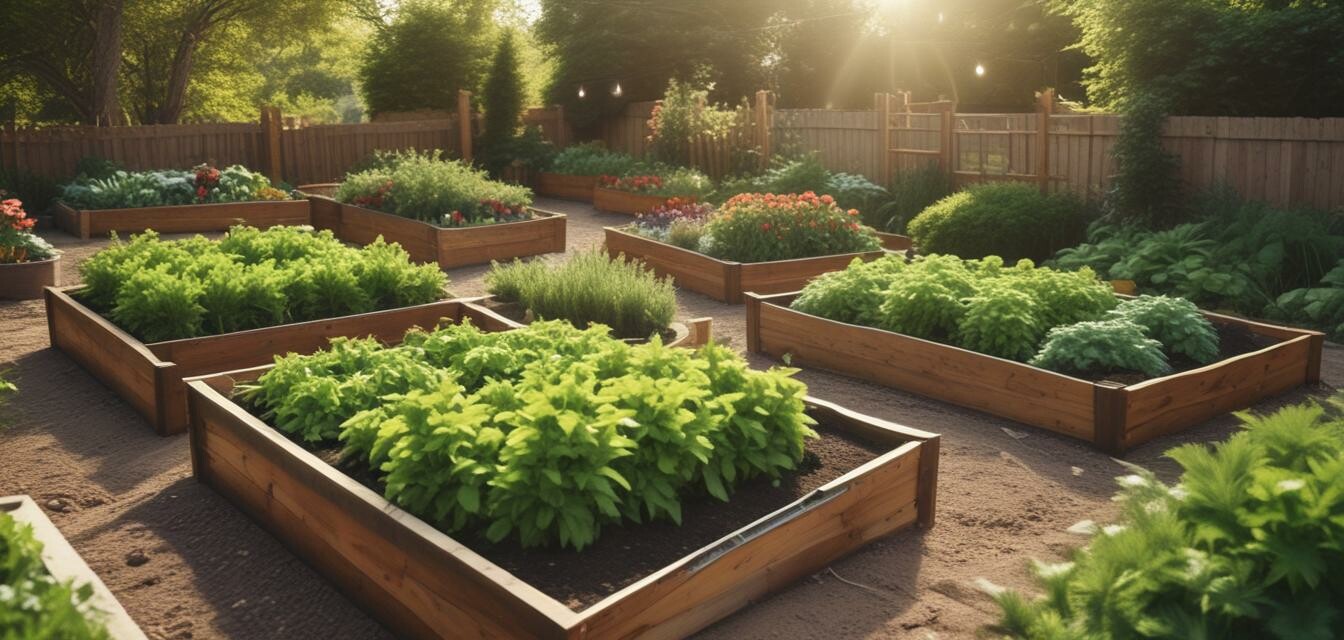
column 159, row 290
column 1101, row 346
column 921, row 308
column 37, row 191
column 910, row 192
column 32, row 603
column 763, row 228
column 1246, row 545
column 1321, row 306
column 1009, row 220
column 591, row 159
column 853, row 295
column 1002, row 322
column 543, row 434
column 590, row 288
column 445, row 193
column 1174, row 322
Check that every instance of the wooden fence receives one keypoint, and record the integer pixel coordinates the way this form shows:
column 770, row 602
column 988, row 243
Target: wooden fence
column 745, row 145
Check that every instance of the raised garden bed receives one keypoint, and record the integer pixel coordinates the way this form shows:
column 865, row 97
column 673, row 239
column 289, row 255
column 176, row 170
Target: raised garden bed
column 566, row 187
column 26, row 280
column 423, row 583
column 691, row 333
column 448, row 247
column 1115, row 417
column 629, row 202
column 725, row 280
column 192, row 218
column 63, row 563
column 149, row 376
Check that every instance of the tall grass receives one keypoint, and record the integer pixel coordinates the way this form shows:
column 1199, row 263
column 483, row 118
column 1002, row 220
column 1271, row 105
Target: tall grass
column 590, row 288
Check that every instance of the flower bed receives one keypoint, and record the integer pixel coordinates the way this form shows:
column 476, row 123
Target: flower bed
column 761, row 243
column 574, row 172
column 76, row 605
column 638, row 194
column 424, row 583
column 27, row 262
column 202, row 200
column 151, row 313
column 1002, row 317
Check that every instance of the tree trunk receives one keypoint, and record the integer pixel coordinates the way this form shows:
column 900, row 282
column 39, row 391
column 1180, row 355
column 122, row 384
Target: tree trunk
column 179, row 75
column 106, row 107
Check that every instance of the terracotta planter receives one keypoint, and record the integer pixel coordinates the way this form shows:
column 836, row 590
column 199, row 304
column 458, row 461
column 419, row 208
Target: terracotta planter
column 566, row 187
column 189, row 218
column 26, row 280
column 64, row 563
column 618, row 201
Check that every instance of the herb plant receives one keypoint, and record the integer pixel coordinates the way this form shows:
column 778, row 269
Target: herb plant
column 159, row 290
column 1002, row 322
column 1102, row 346
column 591, row 159
column 590, row 288
column 543, row 434
column 32, row 603
column 442, row 192
column 1246, row 545
column 1175, row 322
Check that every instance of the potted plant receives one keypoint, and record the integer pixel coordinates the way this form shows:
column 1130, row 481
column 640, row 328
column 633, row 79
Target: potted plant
column 765, row 243
column 641, row 193
column 203, row 199
column 27, row 262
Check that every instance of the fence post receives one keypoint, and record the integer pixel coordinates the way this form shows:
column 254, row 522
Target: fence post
column 882, row 104
column 946, row 139
column 270, row 136
column 1045, row 105
column 464, row 123
column 763, row 126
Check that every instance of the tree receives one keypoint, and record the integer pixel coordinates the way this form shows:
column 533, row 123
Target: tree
column 431, row 49
column 503, row 102
column 70, row 51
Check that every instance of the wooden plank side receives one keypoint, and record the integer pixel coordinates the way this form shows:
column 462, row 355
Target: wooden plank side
column 362, row 226
column 1164, row 405
column 1000, row 387
column 111, row 355
column 195, row 218
column 566, row 187
column 416, row 579
column 874, row 500
column 690, row 270
column 791, row 275
column 480, row 245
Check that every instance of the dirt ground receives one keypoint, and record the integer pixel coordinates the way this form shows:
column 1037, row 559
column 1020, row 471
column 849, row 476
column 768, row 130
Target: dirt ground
column 1006, row 494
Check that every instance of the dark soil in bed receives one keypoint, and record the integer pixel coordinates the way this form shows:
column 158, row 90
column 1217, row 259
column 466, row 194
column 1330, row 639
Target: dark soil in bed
column 1233, row 340
column 624, row 554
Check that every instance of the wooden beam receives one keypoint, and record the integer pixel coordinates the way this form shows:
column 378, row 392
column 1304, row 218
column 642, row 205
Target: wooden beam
column 464, row 124
column 1044, row 108
column 882, row 103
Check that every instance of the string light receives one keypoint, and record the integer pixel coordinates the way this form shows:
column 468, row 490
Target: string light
column 980, row 70
column 940, row 17
column 582, row 93
column 617, row 91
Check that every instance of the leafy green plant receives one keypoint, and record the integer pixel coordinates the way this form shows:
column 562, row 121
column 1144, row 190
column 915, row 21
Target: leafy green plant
column 683, row 114
column 442, row 192
column 134, row 189
column 1246, row 545
column 1009, row 220
column 1002, row 322
column 590, row 288
column 1321, row 306
column 910, row 192
column 1174, row 322
column 160, row 290
column 32, row 603
column 591, row 159
column 545, row 433
column 853, row 295
column 1101, row 346
column 762, row 228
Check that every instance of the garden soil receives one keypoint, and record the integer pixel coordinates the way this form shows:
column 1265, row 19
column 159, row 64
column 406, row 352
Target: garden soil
column 186, row 564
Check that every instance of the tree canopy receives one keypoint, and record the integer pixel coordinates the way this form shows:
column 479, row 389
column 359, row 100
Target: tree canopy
column 430, row 49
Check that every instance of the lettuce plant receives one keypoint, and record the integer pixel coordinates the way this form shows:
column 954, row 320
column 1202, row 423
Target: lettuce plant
column 203, row 184
column 32, row 603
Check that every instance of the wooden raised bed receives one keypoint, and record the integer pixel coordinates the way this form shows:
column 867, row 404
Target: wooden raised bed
column 424, row 584
column 566, row 187
column 190, row 218
column 725, row 280
column 26, row 280
column 629, row 202
column 449, row 247
column 149, row 376
column 1113, row 416
column 63, row 563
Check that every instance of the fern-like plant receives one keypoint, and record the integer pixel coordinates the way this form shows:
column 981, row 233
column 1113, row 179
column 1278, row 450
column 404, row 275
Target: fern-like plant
column 1175, row 322
column 1101, row 346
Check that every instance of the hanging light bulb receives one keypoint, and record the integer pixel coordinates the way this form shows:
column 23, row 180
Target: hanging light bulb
column 582, row 93
column 940, row 17
column 616, row 91
column 980, row 70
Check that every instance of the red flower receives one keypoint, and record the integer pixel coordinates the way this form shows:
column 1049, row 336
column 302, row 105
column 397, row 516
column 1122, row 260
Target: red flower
column 765, row 226
column 200, row 192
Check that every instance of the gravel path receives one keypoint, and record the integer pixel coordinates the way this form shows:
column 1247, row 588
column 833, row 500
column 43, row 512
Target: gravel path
column 115, row 489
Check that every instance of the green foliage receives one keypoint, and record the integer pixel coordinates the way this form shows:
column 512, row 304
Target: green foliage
column 911, row 191
column 1002, row 322
column 1174, row 322
column 1246, row 545
column 683, row 113
column 32, row 603
column 589, row 288
column 160, row 290
column 1102, row 346
column 763, row 228
column 133, row 189
column 543, row 434
column 503, row 102
column 1321, row 306
column 37, row 191
column 426, row 54
column 446, row 193
column 1009, row 220
column 591, row 159
column 1147, row 184
column 662, row 180
column 853, row 295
